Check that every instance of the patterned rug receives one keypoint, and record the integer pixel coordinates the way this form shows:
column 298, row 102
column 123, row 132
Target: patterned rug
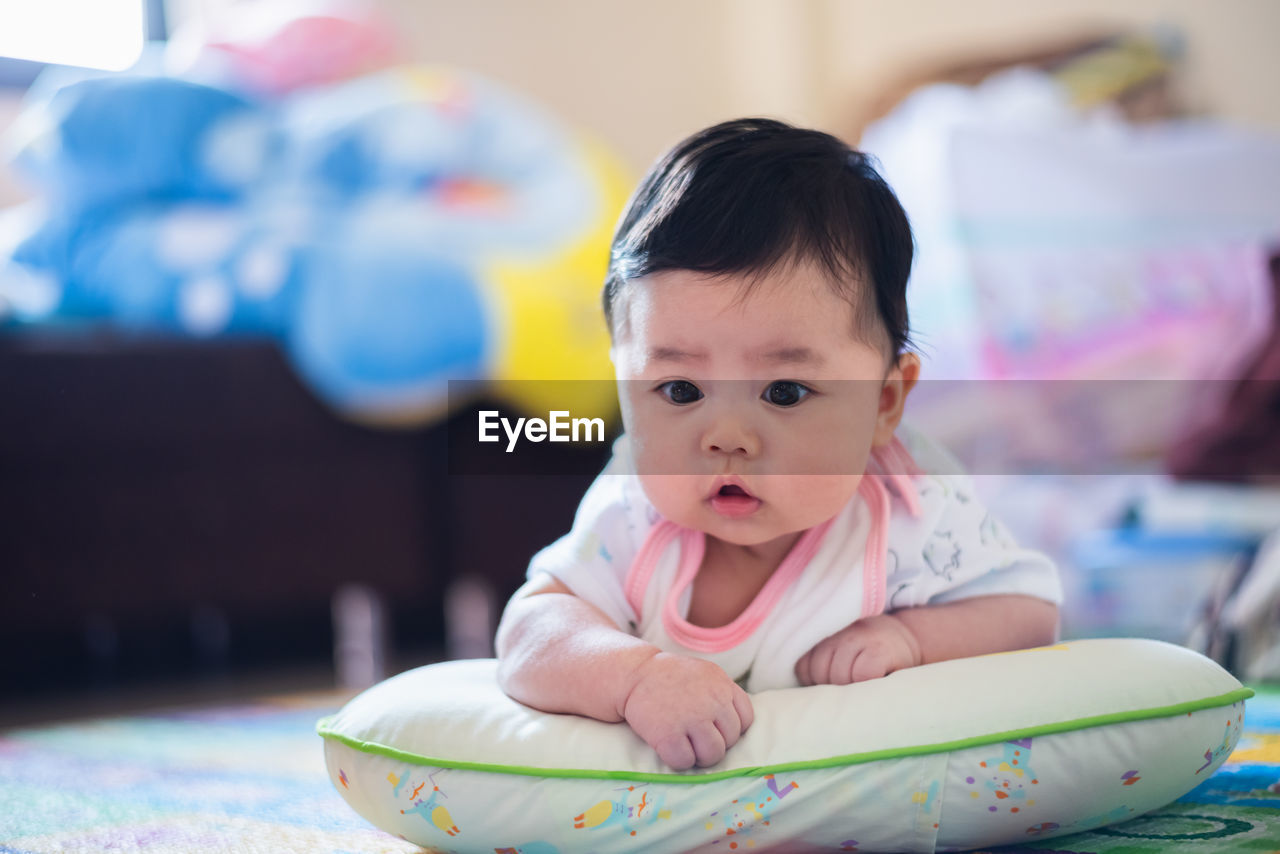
column 251, row 778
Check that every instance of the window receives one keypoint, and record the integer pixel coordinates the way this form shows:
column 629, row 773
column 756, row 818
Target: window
column 107, row 34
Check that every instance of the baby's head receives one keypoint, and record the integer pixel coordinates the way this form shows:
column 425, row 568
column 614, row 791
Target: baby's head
column 756, row 296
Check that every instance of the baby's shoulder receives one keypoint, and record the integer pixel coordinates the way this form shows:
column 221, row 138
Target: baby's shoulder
column 945, row 494
column 951, row 512
column 615, row 504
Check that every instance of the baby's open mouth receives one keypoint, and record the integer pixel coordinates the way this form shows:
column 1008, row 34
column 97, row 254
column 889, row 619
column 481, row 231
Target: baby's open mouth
column 734, row 501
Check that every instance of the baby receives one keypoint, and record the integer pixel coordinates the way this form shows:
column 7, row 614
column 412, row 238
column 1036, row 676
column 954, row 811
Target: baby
column 764, row 522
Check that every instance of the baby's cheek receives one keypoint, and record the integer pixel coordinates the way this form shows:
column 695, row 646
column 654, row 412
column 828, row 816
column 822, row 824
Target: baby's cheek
column 818, row 457
column 816, row 498
column 659, row 452
column 671, row 495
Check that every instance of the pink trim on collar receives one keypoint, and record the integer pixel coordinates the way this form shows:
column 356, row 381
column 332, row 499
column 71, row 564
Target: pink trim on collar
column 873, row 561
column 646, row 561
column 896, row 464
column 720, row 638
column 897, row 467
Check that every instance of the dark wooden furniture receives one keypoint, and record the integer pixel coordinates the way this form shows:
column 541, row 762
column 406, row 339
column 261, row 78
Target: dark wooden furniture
column 168, row 505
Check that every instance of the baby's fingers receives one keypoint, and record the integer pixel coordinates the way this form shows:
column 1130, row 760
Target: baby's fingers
column 802, row 669
column 734, row 720
column 742, row 704
column 708, row 744
column 677, row 752
column 729, row 725
column 870, row 664
column 820, row 663
column 844, row 663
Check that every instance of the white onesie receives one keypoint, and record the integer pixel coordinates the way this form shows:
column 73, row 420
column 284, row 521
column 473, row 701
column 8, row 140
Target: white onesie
column 930, row 542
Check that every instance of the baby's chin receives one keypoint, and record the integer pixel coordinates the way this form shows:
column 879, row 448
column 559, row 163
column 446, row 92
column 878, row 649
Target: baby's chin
column 748, row 532
column 773, row 546
column 735, row 538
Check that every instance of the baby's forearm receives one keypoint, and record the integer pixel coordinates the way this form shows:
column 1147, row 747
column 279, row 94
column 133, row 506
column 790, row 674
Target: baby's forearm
column 981, row 625
column 558, row 653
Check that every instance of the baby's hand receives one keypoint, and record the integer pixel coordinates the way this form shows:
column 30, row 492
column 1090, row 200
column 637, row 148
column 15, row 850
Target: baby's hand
column 868, row 649
column 687, row 709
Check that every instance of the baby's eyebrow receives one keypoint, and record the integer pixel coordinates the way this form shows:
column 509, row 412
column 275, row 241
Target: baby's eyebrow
column 674, row 354
column 790, row 356
column 775, row 356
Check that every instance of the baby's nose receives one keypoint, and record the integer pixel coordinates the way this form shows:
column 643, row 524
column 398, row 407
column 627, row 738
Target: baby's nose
column 731, row 436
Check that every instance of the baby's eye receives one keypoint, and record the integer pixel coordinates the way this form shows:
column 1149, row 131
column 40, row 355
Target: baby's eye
column 785, row 393
column 680, row 392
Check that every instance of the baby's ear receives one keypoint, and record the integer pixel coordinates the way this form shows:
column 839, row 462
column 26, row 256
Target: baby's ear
column 893, row 397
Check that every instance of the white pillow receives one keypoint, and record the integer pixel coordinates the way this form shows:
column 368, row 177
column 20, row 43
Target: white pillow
column 974, row 752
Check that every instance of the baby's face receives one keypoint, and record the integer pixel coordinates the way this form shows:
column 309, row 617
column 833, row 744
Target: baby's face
column 749, row 419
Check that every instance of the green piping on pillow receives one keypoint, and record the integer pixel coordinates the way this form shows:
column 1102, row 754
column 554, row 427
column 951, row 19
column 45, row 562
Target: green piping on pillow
column 1227, row 699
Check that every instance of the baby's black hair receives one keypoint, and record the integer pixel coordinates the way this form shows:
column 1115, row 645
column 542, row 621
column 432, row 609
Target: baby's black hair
column 747, row 195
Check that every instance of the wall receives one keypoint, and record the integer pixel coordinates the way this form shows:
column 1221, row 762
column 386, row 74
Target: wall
column 1230, row 44
column 643, row 74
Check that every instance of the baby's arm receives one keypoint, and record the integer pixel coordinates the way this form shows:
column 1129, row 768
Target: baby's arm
column 559, row 653
column 981, row 625
column 877, row 646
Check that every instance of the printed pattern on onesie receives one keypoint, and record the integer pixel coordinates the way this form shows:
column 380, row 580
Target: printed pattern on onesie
column 956, row 549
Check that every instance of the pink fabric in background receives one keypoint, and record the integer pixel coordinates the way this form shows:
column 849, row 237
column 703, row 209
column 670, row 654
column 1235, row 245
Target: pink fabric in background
column 297, row 45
